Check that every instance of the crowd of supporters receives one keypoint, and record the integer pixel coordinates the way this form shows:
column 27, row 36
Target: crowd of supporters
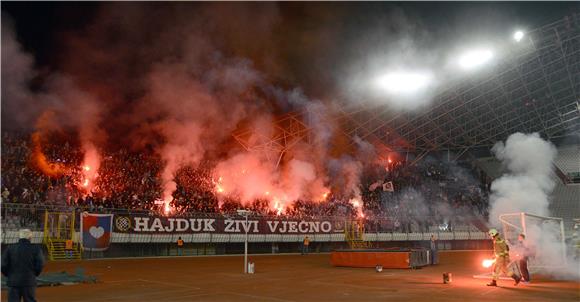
column 431, row 193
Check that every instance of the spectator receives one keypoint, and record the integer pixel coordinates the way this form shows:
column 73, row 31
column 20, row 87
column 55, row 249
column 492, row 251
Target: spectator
column 5, row 194
column 21, row 264
column 524, row 255
column 305, row 245
column 433, row 250
column 179, row 246
column 129, row 180
column 69, row 246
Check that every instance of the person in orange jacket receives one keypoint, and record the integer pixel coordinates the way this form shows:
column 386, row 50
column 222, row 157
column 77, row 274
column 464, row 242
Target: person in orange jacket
column 69, row 247
column 305, row 245
column 179, row 246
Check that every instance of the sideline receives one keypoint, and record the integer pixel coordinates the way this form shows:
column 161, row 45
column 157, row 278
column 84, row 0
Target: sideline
column 445, row 251
column 194, row 256
column 234, row 255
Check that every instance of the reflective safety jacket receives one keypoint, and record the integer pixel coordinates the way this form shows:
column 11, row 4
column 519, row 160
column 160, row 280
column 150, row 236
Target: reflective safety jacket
column 500, row 247
column 68, row 245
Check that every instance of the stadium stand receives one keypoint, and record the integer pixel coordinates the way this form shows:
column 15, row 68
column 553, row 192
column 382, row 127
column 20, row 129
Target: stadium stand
column 568, row 159
column 565, row 203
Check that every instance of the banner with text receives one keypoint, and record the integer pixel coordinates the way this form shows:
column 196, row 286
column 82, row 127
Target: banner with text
column 137, row 224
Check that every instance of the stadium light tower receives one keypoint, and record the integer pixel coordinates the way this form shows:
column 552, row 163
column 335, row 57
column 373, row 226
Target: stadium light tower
column 245, row 213
column 403, row 82
column 475, row 58
column 518, row 35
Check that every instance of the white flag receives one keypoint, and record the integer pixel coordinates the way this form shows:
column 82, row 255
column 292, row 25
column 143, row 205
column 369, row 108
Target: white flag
column 388, row 187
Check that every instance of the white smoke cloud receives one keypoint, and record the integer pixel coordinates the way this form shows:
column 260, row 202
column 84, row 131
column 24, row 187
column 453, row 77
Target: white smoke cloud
column 345, row 173
column 527, row 185
column 365, row 151
column 549, row 251
column 394, row 46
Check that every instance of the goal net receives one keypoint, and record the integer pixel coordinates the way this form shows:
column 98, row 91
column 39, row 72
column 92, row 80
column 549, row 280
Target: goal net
column 544, row 244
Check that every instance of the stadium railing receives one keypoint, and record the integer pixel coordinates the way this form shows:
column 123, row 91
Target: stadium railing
column 457, row 235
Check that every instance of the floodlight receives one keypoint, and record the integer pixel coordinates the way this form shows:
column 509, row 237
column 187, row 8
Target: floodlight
column 518, row 35
column 402, row 82
column 475, row 58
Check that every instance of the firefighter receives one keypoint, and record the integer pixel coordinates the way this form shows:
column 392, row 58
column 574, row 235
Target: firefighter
column 502, row 258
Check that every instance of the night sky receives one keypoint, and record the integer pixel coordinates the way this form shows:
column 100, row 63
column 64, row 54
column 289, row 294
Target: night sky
column 194, row 82
column 316, row 41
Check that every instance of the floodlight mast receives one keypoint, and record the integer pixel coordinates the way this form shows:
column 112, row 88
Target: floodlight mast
column 245, row 213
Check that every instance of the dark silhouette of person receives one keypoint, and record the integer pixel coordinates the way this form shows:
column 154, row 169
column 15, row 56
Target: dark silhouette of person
column 21, row 264
column 525, row 253
column 433, row 250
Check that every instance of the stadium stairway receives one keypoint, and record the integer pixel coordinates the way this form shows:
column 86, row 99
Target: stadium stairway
column 354, row 235
column 57, row 251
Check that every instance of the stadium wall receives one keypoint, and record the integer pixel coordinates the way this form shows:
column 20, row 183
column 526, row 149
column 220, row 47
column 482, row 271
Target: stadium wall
column 155, row 246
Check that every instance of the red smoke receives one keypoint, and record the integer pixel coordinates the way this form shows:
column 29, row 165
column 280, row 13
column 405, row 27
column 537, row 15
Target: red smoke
column 40, row 161
column 180, row 94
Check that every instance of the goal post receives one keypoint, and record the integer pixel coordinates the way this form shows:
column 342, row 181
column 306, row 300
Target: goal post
column 545, row 239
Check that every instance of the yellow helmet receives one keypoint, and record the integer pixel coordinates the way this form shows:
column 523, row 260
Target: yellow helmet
column 493, row 232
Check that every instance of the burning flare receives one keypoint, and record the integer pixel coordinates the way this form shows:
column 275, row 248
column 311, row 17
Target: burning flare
column 90, row 166
column 488, row 263
column 357, row 204
column 278, row 206
column 218, row 185
column 167, row 208
column 166, row 203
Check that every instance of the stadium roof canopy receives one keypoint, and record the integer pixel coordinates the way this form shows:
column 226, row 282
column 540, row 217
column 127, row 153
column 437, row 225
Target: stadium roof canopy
column 534, row 88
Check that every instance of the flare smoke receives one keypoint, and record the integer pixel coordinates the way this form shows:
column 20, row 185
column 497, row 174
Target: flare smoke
column 179, row 95
column 526, row 187
column 529, row 180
